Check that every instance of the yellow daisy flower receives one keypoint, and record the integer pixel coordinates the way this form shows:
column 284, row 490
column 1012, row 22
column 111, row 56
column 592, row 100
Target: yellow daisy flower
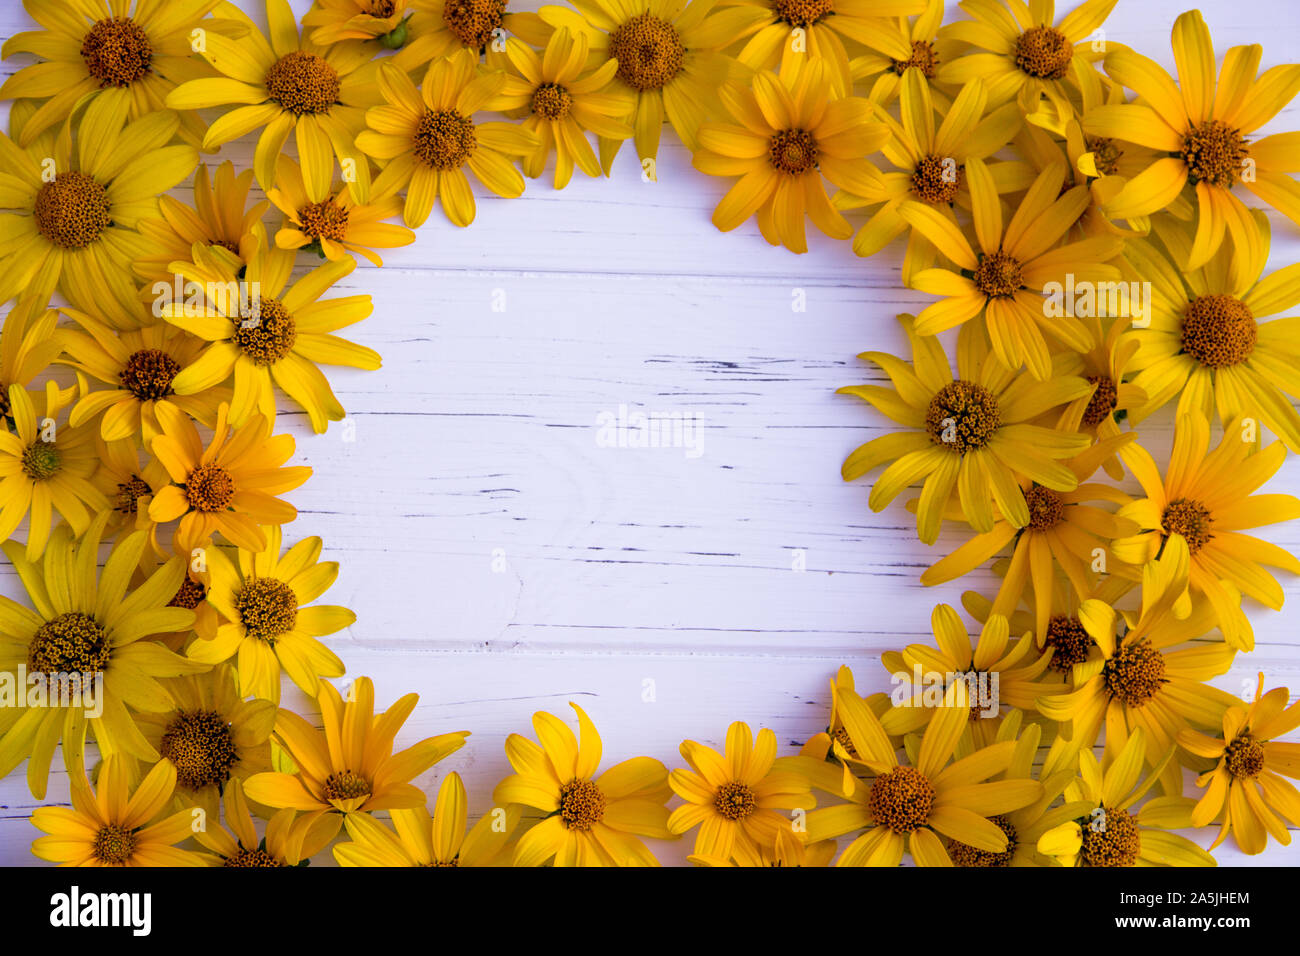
column 1107, row 366
column 350, row 767
column 334, row 21
column 287, row 84
column 912, row 808
column 86, row 623
column 1004, row 280
column 1205, row 497
column 789, row 133
column 739, row 801
column 334, row 225
column 1132, row 680
column 221, row 216
column 211, row 735
column 278, row 338
column 264, row 601
column 1112, row 833
column 668, row 61
column 437, row 840
column 562, row 99
column 971, row 433
column 230, row 487
column 789, row 850
column 1245, row 790
column 1028, row 56
column 591, row 819
column 919, row 34
column 290, row 840
column 442, row 28
column 1199, row 130
column 112, row 826
column 130, row 54
column 1205, row 343
column 72, row 232
column 140, row 367
column 129, row 487
column 29, row 342
column 427, row 137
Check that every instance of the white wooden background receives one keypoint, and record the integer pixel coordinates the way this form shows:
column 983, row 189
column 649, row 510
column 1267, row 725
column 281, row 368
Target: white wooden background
column 622, row 565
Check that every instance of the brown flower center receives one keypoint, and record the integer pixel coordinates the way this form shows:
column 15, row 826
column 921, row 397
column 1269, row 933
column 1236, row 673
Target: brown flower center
column 842, row 735
column 269, row 336
column 1105, row 154
column 1115, row 842
column 1135, row 674
column 201, row 746
column 1044, row 52
column 936, row 181
column 792, row 151
column 71, row 210
column 551, row 101
column 1214, row 153
column 189, row 595
column 963, row 855
column 1191, row 519
column 267, row 608
column 1071, row 643
column 129, row 493
column 114, row 844
column 72, row 643
column 117, row 52
column 148, row 374
column 802, row 13
column 209, row 488
column 473, row 22
column 346, row 785
column 923, row 58
column 41, row 460
column 582, row 805
column 303, row 82
column 901, row 799
column 1245, row 757
column 444, row 139
column 998, row 275
column 649, row 52
column 254, row 857
column 735, row 801
column 963, row 416
column 1219, row 331
column 324, row 220
column 1046, row 509
column 1103, row 401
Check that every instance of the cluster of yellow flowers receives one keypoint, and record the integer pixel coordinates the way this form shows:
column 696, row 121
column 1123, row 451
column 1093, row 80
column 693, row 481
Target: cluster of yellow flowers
column 1074, row 209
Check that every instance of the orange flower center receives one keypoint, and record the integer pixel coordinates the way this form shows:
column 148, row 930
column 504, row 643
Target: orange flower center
column 1105, row 154
column 1191, row 519
column 551, row 101
column 254, row 857
column 201, row 746
column 923, row 58
column 41, row 460
column 936, row 181
column 1245, row 757
column 1135, row 674
column 324, row 220
column 792, row 151
column 1046, row 508
column 1071, row 643
column 962, row 416
column 71, row 210
column 1116, row 843
column 114, row 844
column 117, row 52
column 802, row 13
column 1044, row 53
column 346, row 785
column 1214, row 153
column 269, row 336
column 72, row 643
column 1103, row 401
column 901, row 799
column 129, row 493
column 148, row 374
column 1219, row 331
column 582, row 805
column 444, row 139
column 303, row 82
column 473, row 22
column 649, row 52
column 735, row 801
column 209, row 488
column 267, row 608
column 998, row 275
column 963, row 855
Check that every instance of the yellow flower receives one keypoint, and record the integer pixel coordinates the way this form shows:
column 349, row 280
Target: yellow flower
column 1205, row 497
column 910, row 809
column 929, row 165
column 140, row 366
column 129, row 487
column 284, row 85
column 333, row 21
column 442, row 28
column 424, row 840
column 1245, row 789
column 45, row 469
column 1133, row 681
column 334, row 225
column 221, row 216
column 273, row 336
column 1199, row 130
column 130, row 54
column 350, row 767
column 211, row 735
column 563, row 99
column 111, row 826
column 736, row 798
column 29, row 342
column 72, row 232
column 1111, row 833
column 1205, row 343
column 592, row 819
column 427, row 137
column 789, row 133
column 1004, row 280
column 668, row 61
column 230, row 487
column 1027, row 57
column 92, row 625
column 917, row 34
column 269, row 625
column 1107, row 365
column 290, row 840
column 971, row 433
column 789, row 850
